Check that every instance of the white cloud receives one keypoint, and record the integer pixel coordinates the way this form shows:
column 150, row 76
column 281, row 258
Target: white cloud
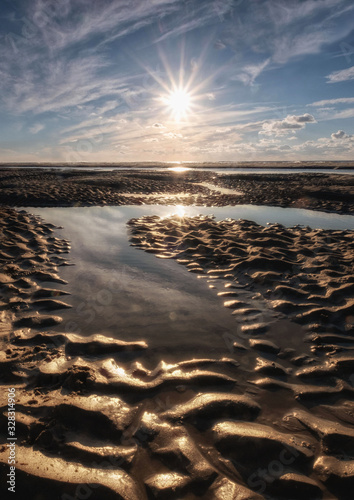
column 341, row 76
column 290, row 124
column 158, row 125
column 339, row 146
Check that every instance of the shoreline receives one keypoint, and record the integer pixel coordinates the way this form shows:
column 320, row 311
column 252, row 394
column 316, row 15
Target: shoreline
column 325, row 164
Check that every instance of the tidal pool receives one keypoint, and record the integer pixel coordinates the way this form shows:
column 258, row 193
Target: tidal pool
column 122, row 292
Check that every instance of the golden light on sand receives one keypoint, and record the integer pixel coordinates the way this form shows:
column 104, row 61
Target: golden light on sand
column 178, row 102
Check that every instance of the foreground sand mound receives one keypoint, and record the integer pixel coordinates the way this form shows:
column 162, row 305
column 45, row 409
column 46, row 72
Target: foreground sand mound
column 95, row 419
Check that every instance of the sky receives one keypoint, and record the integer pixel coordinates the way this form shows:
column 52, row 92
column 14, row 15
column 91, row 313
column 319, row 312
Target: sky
column 176, row 80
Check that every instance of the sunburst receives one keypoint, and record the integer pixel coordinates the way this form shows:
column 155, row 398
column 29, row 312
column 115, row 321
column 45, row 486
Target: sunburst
column 179, row 103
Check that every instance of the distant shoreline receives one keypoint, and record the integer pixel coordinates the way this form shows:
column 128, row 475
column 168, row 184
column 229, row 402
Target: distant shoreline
column 285, row 165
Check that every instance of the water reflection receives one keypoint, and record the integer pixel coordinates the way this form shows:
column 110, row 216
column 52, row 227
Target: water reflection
column 129, row 294
column 178, row 169
column 179, row 210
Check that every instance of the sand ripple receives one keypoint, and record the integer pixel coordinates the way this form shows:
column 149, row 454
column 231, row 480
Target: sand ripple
column 271, row 419
column 284, row 286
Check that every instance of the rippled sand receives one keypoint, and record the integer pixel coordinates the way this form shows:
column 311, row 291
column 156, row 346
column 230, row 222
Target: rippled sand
column 272, row 419
column 47, row 188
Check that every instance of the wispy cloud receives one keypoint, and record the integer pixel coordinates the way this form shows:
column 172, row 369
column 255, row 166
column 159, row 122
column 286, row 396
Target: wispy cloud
column 197, row 14
column 46, row 64
column 330, row 102
column 56, row 84
column 37, row 127
column 79, row 20
column 285, row 30
column 72, row 70
column 341, row 76
column 249, row 73
column 340, row 115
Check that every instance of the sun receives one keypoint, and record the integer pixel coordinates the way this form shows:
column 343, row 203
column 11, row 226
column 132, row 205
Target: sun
column 179, row 102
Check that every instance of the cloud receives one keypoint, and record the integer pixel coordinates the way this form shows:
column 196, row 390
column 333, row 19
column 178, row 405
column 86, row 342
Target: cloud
column 339, row 146
column 67, row 72
column 197, row 15
column 37, row 127
column 346, row 113
column 306, row 118
column 219, row 45
column 285, row 29
column 106, row 107
column 290, row 124
column 251, row 72
column 340, row 135
column 341, row 76
column 340, row 100
column 64, row 24
column 56, row 84
column 173, row 135
column 47, row 63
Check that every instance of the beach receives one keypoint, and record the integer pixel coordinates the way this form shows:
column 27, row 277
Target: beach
column 49, row 187
column 265, row 413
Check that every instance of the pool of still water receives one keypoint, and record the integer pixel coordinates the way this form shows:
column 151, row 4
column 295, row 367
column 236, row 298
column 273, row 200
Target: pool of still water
column 125, row 293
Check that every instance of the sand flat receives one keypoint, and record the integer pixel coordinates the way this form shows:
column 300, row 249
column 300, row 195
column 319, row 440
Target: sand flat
column 43, row 187
column 89, row 421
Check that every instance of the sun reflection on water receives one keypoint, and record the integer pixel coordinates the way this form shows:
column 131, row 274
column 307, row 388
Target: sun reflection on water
column 180, row 211
column 178, row 169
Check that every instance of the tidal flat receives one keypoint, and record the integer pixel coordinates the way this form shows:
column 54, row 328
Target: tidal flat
column 169, row 338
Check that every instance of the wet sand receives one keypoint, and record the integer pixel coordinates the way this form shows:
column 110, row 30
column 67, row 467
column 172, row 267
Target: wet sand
column 272, row 418
column 40, row 187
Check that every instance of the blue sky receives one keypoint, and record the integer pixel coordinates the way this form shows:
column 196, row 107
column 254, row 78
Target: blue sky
column 176, row 80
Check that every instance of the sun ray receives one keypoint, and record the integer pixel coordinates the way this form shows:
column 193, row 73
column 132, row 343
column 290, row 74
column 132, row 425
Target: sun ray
column 180, row 92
